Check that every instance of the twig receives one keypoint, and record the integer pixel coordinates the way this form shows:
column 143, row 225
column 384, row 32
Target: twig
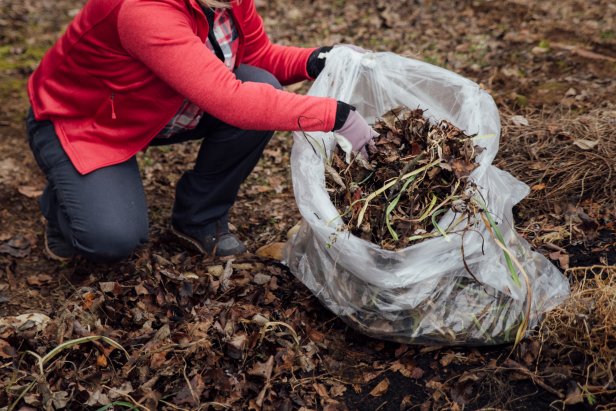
column 583, row 52
column 536, row 379
column 555, row 247
column 190, row 387
column 466, row 267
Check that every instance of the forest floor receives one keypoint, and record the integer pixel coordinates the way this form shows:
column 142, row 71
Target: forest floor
column 243, row 333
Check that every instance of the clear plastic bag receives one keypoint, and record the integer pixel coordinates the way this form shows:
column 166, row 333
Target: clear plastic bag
column 423, row 293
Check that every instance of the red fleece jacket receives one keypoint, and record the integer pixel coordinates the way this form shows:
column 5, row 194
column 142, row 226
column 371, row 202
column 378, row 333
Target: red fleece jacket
column 123, row 67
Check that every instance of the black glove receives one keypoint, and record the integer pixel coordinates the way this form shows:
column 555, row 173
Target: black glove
column 316, row 61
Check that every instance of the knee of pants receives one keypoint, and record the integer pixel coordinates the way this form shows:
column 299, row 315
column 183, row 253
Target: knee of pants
column 269, row 78
column 257, row 75
column 106, row 243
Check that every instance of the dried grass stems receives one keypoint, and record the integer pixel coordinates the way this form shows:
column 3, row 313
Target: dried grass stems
column 418, row 170
column 586, row 324
column 564, row 158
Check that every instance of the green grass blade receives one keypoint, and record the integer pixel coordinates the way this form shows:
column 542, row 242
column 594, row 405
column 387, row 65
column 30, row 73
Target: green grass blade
column 381, row 190
column 438, row 227
column 68, row 344
column 391, row 206
column 429, row 209
column 499, row 236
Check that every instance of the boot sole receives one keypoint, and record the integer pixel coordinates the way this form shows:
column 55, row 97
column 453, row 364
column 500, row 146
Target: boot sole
column 196, row 245
column 53, row 255
column 191, row 242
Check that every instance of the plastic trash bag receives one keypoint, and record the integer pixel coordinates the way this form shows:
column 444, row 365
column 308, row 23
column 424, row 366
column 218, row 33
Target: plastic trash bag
column 424, row 293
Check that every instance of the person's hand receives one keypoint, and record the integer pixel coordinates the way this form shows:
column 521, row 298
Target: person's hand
column 316, row 61
column 357, row 131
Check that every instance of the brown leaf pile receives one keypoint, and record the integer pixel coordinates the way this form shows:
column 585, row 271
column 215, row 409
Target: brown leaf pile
column 183, row 341
column 418, row 170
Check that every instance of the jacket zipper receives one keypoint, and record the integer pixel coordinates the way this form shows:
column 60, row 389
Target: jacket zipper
column 113, row 113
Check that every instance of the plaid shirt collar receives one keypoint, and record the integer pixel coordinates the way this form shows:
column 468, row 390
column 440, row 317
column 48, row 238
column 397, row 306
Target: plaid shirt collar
column 226, row 35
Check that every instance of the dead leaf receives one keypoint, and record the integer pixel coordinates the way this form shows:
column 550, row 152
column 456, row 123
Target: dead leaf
column 409, row 370
column 261, row 279
column 316, row 336
column 97, row 398
column 18, row 247
column 263, row 369
column 574, row 395
column 274, row 251
column 588, row 225
column 141, row 290
column 60, row 399
column 110, row 287
column 538, row 165
column 216, row 270
column 226, row 275
column 235, row 346
column 337, row 390
column 158, row 359
column 562, row 258
column 6, row 350
column 462, row 168
column 369, row 376
column 185, row 395
column 101, row 361
column 463, row 390
column 39, row 279
column 31, row 323
column 121, row 392
column 88, row 300
column 447, row 359
column 519, row 120
column 406, row 402
column 585, row 144
column 329, row 170
column 381, row 388
column 320, row 390
column 538, row 187
column 269, row 297
column 539, row 50
column 260, row 319
column 30, row 191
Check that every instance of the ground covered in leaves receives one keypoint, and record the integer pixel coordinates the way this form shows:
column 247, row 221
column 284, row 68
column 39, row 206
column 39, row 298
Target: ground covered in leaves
column 167, row 329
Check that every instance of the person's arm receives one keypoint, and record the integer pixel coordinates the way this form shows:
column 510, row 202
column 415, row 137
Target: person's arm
column 287, row 63
column 159, row 34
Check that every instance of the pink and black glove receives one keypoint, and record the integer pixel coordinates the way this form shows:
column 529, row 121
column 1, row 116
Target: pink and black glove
column 352, row 126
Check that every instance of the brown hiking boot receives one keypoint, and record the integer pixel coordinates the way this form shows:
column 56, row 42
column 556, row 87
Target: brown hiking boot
column 220, row 245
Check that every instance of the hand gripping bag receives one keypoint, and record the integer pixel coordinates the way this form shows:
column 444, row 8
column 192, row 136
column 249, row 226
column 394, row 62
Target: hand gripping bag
column 424, row 293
